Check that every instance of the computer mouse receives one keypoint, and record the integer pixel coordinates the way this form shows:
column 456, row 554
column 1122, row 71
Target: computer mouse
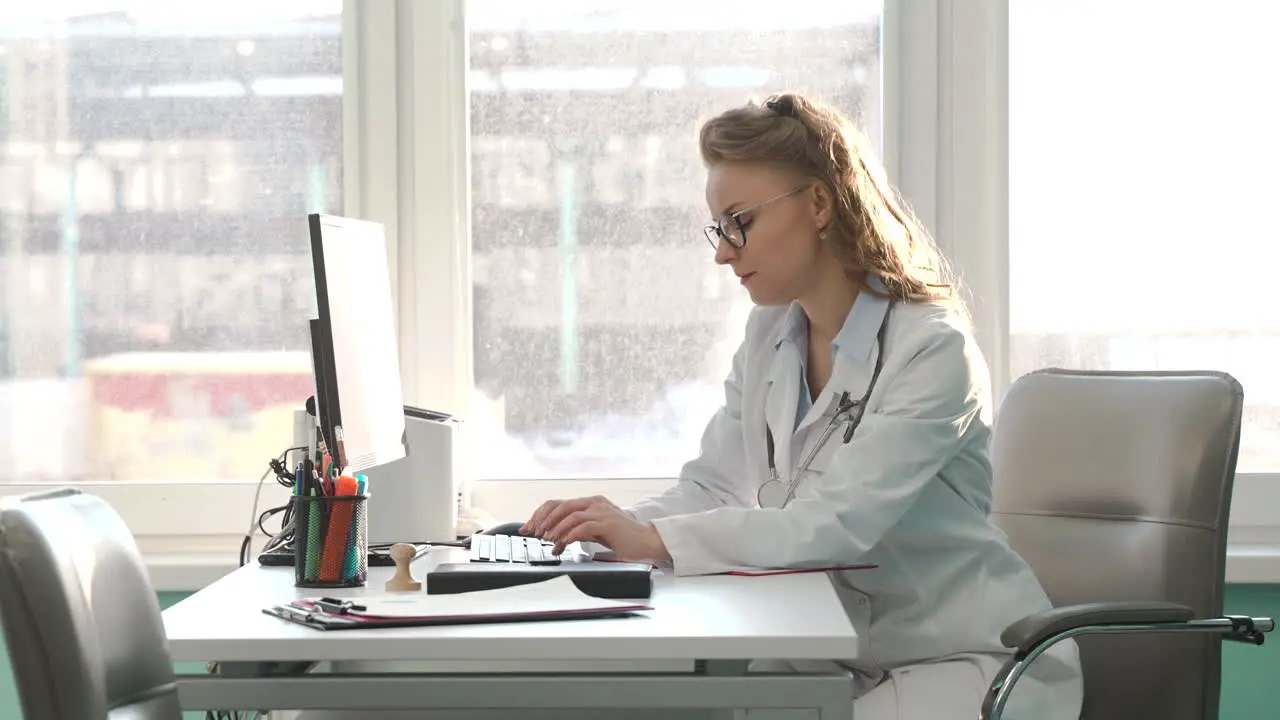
column 506, row 528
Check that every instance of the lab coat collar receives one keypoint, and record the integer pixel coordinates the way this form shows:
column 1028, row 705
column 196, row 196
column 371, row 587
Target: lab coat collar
column 781, row 400
column 794, row 328
column 858, row 334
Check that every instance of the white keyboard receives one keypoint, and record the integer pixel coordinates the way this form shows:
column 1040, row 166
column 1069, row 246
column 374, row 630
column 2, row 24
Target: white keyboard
column 512, row 549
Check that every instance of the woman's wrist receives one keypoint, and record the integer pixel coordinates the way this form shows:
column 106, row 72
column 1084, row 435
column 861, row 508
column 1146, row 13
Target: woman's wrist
column 657, row 548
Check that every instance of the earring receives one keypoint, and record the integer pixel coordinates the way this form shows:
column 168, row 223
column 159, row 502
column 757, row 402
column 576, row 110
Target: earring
column 822, row 235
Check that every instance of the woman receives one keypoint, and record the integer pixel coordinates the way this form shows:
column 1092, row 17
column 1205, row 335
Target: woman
column 855, row 428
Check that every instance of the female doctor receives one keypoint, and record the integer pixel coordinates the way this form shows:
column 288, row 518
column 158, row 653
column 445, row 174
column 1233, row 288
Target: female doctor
column 855, row 429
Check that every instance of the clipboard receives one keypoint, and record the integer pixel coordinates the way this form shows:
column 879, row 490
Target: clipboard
column 555, row 599
column 299, row 613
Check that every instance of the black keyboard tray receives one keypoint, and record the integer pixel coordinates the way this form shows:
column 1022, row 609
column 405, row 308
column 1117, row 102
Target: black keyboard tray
column 611, row 580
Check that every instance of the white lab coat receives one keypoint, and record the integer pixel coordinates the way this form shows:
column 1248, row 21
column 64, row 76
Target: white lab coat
column 911, row 493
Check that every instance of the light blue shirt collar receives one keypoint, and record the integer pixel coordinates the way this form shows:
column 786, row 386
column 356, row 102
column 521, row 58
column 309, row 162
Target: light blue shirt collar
column 795, row 328
column 858, row 334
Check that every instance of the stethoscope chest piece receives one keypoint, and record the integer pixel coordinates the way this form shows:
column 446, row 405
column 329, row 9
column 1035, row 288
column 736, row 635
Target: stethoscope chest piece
column 772, row 494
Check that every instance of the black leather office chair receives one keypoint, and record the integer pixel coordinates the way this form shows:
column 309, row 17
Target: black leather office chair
column 1116, row 488
column 80, row 617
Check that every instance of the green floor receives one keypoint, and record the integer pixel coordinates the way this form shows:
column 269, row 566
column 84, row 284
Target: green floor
column 1248, row 683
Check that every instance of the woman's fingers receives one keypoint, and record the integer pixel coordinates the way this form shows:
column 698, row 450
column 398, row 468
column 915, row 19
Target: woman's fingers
column 558, row 514
column 586, row 529
column 535, row 521
column 568, row 523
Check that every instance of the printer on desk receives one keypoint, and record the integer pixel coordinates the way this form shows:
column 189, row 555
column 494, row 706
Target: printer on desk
column 416, row 498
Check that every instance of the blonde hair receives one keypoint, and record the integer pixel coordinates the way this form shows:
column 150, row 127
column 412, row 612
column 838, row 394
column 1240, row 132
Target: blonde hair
column 872, row 229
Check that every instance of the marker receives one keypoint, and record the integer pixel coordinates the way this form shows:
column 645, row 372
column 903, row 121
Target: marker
column 352, row 561
column 339, row 531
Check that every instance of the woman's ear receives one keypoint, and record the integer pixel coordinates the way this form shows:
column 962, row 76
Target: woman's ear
column 822, row 204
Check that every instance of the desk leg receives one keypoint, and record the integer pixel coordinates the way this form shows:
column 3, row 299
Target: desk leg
column 722, row 668
column 833, row 708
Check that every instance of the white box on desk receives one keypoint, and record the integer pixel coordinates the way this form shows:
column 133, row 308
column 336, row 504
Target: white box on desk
column 415, row 499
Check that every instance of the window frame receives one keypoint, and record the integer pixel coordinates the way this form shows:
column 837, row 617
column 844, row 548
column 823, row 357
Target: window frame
column 959, row 185
column 406, row 164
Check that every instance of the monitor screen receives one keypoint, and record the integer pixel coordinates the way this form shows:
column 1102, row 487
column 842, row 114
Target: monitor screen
column 356, row 330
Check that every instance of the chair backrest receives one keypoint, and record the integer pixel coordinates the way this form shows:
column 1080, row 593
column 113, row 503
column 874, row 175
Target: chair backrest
column 1116, row 486
column 80, row 617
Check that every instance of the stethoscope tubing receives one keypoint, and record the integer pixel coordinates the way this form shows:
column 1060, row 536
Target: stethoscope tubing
column 847, row 410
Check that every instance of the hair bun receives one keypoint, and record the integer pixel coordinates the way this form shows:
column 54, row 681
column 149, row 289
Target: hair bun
column 783, row 105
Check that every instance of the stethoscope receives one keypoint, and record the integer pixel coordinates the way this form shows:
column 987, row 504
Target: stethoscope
column 772, row 493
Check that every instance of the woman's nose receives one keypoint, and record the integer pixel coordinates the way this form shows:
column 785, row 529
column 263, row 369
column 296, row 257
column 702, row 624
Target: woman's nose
column 725, row 252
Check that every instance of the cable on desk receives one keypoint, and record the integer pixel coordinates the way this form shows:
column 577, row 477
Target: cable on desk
column 279, row 466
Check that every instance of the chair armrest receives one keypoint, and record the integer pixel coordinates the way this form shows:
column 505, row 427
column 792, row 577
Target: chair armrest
column 1034, row 634
column 1030, row 631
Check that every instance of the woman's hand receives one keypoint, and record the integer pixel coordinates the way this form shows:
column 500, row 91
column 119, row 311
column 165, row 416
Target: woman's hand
column 596, row 519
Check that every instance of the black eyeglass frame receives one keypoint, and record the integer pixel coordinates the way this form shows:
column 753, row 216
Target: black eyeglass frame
column 722, row 228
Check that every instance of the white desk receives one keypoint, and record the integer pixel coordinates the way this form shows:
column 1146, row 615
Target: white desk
column 711, row 626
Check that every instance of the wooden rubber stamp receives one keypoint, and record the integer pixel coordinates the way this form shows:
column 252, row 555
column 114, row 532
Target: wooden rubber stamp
column 403, row 581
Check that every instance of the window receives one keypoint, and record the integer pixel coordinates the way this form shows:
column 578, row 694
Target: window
column 602, row 328
column 156, row 162
column 1141, row 173
column 551, row 280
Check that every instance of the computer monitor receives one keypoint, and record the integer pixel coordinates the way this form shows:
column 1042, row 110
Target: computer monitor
column 326, row 379
column 355, row 356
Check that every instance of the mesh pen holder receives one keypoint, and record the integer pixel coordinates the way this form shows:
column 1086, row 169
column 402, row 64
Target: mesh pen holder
column 330, row 541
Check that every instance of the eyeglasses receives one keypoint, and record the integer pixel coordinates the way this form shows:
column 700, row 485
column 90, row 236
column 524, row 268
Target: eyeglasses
column 729, row 226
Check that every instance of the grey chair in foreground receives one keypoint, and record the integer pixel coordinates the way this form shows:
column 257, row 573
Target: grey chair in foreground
column 81, row 620
column 1116, row 488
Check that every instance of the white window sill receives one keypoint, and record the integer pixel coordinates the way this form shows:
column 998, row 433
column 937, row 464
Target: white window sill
column 1250, row 564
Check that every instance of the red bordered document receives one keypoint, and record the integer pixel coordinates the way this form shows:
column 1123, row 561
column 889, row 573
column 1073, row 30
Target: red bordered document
column 797, row 571
column 554, row 599
column 605, row 557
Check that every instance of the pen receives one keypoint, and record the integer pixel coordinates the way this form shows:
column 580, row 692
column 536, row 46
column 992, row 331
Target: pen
column 336, row 606
column 308, row 469
column 294, row 613
column 313, row 538
column 304, row 616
